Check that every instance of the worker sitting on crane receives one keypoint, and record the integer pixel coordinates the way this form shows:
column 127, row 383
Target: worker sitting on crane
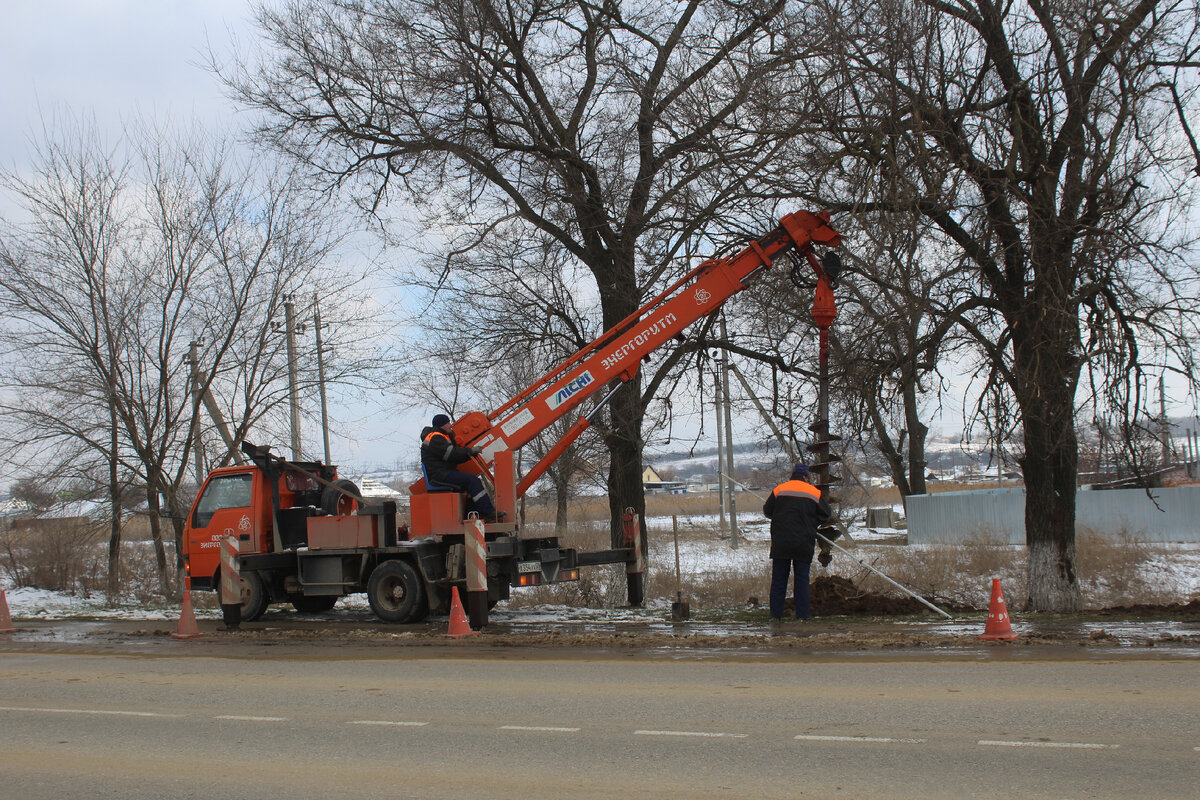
column 440, row 453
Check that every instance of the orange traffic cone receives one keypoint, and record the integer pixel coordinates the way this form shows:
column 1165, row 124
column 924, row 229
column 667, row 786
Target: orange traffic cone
column 999, row 624
column 187, row 620
column 459, row 626
column 6, row 625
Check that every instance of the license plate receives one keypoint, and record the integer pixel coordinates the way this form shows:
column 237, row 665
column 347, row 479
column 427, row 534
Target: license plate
column 529, row 566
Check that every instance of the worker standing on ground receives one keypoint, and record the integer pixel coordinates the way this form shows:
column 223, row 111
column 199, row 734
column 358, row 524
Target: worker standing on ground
column 795, row 509
column 440, row 454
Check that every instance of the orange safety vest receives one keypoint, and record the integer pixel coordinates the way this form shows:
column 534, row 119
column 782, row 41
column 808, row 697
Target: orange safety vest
column 797, row 488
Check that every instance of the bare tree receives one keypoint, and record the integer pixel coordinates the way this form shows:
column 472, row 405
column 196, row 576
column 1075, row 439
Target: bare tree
column 902, row 281
column 119, row 260
column 1049, row 142
column 621, row 133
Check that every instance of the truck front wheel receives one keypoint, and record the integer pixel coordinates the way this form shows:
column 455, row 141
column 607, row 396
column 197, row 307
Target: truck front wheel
column 256, row 600
column 396, row 593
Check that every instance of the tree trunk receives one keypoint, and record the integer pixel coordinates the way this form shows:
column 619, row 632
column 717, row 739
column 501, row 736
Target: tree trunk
column 624, row 442
column 1049, row 466
column 624, row 472
column 160, row 552
column 917, row 431
column 562, row 496
column 178, row 523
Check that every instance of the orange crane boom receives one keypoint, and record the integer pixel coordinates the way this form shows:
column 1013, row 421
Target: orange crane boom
column 617, row 353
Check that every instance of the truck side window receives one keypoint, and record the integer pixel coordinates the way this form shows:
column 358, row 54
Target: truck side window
column 228, row 491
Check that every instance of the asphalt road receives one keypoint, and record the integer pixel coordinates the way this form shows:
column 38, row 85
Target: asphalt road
column 304, row 722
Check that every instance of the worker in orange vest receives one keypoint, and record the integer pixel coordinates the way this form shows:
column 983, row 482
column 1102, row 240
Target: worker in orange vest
column 441, row 454
column 795, row 509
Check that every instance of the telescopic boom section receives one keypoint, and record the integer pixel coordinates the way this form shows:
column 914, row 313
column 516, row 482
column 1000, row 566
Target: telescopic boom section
column 616, row 355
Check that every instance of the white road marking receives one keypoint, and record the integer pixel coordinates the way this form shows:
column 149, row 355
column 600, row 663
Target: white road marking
column 1068, row 745
column 239, row 718
column 875, row 739
column 708, row 734
column 546, row 728
column 88, row 711
column 398, row 723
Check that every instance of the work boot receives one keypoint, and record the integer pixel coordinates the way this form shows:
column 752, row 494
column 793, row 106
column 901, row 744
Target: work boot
column 497, row 516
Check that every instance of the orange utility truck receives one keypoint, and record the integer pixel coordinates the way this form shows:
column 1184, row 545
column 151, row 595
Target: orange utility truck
column 307, row 538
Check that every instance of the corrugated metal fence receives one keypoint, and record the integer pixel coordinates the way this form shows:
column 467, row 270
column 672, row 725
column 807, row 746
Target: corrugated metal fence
column 998, row 515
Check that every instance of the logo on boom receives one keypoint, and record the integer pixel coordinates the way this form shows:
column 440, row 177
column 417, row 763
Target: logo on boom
column 567, row 392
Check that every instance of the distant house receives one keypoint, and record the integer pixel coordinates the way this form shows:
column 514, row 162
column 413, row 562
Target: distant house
column 375, row 490
column 653, row 483
column 10, row 510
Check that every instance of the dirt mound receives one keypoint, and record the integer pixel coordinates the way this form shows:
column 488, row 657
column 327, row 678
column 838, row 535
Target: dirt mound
column 833, row 594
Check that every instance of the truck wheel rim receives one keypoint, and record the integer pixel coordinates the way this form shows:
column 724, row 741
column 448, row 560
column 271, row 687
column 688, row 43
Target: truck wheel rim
column 395, row 592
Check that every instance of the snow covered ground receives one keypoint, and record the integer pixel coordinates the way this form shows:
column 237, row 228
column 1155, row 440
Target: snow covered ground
column 1157, row 573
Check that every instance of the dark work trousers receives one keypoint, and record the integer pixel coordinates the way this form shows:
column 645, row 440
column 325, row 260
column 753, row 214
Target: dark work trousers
column 477, row 496
column 781, row 569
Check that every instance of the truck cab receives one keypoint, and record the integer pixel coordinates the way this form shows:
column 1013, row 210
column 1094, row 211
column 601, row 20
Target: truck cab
column 237, row 501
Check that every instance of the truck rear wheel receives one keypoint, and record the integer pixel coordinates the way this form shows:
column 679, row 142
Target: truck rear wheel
column 396, row 593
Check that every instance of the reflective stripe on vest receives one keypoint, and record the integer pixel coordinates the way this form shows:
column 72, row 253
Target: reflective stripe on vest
column 797, row 489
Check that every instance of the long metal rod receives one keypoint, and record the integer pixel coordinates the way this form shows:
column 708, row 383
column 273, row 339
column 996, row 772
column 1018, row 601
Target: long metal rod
column 767, row 418
column 722, row 486
column 898, row 585
column 321, row 379
column 289, row 311
column 732, row 492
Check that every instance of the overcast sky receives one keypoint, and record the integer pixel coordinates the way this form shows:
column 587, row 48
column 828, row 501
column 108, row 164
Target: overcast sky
column 116, row 59
column 112, row 58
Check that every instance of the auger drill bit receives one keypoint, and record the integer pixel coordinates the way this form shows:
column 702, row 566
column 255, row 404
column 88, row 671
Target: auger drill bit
column 823, row 478
column 824, row 312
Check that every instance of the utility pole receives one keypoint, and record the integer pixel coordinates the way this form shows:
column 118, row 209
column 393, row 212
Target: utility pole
column 321, row 379
column 733, row 525
column 1187, row 447
column 1195, row 450
column 720, row 444
column 1166, row 423
column 193, row 359
column 289, row 321
column 1193, row 445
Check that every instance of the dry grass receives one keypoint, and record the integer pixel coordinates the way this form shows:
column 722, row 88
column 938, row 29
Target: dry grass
column 959, row 575
column 72, row 557
column 58, row 556
column 1112, row 572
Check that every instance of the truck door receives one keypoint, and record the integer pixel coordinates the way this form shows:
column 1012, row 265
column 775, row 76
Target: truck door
column 224, row 509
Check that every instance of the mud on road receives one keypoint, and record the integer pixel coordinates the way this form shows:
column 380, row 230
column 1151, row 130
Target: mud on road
column 357, row 635
column 847, row 621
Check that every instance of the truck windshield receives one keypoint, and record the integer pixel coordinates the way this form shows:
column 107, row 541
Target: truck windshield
column 227, row 491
